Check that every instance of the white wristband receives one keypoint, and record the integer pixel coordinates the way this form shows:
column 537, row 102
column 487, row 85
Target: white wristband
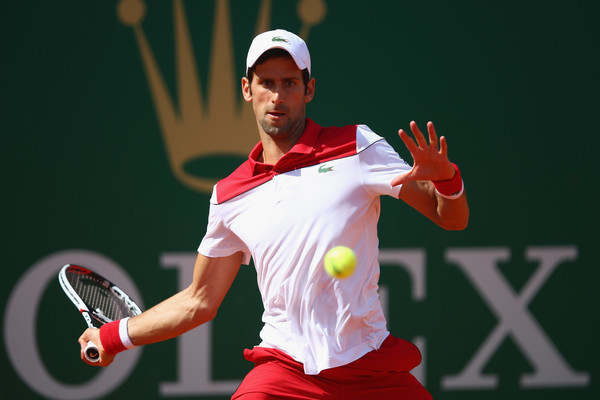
column 124, row 334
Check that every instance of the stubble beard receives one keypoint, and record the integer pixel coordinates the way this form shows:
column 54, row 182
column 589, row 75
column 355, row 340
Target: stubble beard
column 290, row 128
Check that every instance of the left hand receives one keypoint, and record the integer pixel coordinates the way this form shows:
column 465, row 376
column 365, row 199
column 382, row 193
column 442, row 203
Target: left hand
column 430, row 160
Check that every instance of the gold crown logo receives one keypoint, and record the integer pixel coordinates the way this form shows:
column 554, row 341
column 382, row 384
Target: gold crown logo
column 223, row 129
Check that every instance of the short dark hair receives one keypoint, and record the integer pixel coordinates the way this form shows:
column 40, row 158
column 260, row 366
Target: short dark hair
column 274, row 53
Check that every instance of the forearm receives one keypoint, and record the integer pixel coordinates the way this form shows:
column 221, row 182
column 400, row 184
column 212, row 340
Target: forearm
column 451, row 214
column 452, row 208
column 193, row 306
column 170, row 318
column 180, row 313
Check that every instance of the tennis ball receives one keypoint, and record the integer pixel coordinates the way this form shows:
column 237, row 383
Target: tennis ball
column 340, row 262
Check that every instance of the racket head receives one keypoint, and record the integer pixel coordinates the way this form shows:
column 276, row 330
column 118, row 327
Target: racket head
column 99, row 300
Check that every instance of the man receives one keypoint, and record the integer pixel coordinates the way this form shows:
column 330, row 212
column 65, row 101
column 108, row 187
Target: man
column 303, row 190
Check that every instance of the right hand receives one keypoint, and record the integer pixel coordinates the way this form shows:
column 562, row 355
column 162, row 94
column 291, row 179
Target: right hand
column 93, row 335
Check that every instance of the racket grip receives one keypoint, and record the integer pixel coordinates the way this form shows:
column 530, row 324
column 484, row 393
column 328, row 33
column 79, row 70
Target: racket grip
column 91, row 352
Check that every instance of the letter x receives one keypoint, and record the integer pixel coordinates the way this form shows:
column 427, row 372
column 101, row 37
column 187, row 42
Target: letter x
column 550, row 368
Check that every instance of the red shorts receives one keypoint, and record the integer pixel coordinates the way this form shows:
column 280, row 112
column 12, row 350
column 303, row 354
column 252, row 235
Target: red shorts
column 381, row 374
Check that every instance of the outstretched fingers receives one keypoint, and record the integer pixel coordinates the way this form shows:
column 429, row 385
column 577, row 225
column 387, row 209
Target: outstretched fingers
column 419, row 137
column 433, row 139
column 443, row 146
column 430, row 155
column 408, row 141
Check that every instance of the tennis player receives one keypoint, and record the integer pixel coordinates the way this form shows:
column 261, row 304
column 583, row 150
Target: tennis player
column 303, row 190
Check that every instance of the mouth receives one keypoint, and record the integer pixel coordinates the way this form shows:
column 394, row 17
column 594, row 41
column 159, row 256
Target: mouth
column 276, row 114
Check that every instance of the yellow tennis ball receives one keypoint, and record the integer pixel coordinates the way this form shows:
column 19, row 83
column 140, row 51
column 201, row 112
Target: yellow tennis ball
column 340, row 262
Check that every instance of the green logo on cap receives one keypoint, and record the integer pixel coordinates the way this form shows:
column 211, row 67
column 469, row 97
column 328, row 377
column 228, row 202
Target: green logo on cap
column 279, row 39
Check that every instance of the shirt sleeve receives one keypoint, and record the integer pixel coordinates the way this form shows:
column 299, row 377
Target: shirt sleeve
column 219, row 241
column 380, row 163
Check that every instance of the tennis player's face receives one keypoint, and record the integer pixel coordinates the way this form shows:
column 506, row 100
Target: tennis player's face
column 278, row 97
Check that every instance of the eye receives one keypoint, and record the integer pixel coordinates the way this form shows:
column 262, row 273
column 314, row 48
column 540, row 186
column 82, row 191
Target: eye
column 290, row 83
column 267, row 83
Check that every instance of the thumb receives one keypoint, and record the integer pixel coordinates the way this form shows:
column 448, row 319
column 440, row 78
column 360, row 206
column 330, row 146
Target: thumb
column 400, row 179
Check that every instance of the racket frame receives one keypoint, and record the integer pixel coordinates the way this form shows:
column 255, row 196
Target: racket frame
column 91, row 351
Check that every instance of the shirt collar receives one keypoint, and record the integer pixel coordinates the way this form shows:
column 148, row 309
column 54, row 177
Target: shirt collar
column 305, row 145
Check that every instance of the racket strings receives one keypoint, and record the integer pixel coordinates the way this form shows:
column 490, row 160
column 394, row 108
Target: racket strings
column 102, row 302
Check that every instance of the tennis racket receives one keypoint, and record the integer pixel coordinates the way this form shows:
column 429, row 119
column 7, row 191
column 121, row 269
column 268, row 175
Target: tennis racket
column 98, row 300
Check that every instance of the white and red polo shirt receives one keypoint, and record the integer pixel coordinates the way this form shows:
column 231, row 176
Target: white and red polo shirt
column 324, row 192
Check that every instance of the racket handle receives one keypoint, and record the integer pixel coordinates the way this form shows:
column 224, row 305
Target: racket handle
column 91, row 352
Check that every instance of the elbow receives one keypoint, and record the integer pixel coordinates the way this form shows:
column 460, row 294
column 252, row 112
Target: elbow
column 210, row 312
column 452, row 215
column 201, row 308
column 204, row 311
column 455, row 224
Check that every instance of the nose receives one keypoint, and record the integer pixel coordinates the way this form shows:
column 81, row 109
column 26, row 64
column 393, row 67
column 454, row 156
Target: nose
column 277, row 95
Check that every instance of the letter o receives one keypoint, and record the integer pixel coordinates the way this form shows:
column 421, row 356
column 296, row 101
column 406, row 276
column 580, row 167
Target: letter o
column 19, row 328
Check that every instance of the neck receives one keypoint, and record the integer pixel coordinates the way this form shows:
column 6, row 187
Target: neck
column 276, row 146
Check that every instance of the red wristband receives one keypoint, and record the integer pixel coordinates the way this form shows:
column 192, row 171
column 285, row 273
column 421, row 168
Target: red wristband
column 110, row 338
column 450, row 187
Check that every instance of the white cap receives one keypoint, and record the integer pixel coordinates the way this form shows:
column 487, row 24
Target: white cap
column 279, row 39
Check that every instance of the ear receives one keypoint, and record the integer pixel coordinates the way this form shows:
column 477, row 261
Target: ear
column 246, row 89
column 310, row 90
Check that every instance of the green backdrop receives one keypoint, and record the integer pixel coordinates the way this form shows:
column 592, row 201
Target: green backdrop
column 106, row 150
